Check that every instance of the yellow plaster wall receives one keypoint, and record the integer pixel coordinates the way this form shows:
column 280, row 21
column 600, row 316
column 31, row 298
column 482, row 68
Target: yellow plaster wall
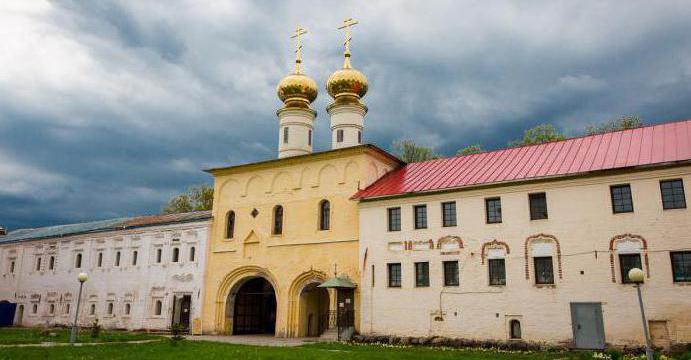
column 302, row 254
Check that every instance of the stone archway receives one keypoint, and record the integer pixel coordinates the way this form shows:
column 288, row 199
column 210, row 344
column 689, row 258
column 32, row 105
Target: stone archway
column 254, row 307
column 314, row 311
column 296, row 315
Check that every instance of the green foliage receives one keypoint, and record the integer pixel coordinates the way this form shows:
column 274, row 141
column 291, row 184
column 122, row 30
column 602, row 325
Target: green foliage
column 470, row 149
column 196, row 198
column 176, row 330
column 95, row 329
column 622, row 123
column 539, row 134
column 410, row 152
column 615, row 354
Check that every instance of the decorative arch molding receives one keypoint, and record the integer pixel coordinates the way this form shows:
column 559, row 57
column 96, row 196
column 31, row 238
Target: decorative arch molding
column 327, row 169
column 351, row 171
column 256, row 180
column 526, row 248
column 627, row 237
column 449, row 239
column 223, row 185
column 232, row 281
column 493, row 245
column 282, row 178
column 301, row 281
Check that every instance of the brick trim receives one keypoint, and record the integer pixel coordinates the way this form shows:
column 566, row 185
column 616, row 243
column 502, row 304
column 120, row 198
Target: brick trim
column 493, row 243
column 644, row 247
column 448, row 238
column 537, row 237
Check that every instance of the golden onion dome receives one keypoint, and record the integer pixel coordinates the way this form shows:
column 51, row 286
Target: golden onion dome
column 297, row 87
column 347, row 81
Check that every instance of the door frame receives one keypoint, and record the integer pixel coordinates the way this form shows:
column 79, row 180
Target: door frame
column 600, row 325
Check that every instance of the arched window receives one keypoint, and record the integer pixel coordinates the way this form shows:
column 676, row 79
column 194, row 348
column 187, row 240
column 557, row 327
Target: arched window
column 78, row 261
column 67, row 308
column 193, row 250
column 515, row 329
column 99, row 263
column 158, row 307
column 159, row 252
column 176, row 254
column 134, row 257
column 128, row 307
column 34, row 309
column 230, row 225
column 117, row 258
column 52, row 309
column 38, row 263
column 51, row 263
column 324, row 215
column 110, row 308
column 278, row 220
column 92, row 309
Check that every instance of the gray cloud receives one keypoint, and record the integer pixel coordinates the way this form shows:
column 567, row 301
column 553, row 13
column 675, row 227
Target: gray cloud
column 107, row 108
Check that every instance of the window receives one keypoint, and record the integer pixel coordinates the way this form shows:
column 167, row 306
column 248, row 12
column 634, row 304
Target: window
column 394, row 275
column 514, row 329
column 497, row 272
column 681, row 266
column 51, row 309
column 176, row 255
column 159, row 253
column 67, row 308
column 193, row 250
column 117, row 258
column 451, row 273
column 621, row 198
column 34, row 309
column 285, row 135
column 230, row 225
column 672, row 194
column 359, row 137
column 421, row 274
column 544, row 273
column 420, row 216
column 135, row 253
column 12, row 264
column 51, row 263
column 278, row 220
column 493, row 210
column 78, row 261
column 626, row 263
column 372, row 275
column 448, row 213
column 394, row 216
column 110, row 308
column 128, row 308
column 92, row 309
column 158, row 307
column 324, row 215
column 38, row 263
column 99, row 261
column 309, row 137
column 538, row 206
column 339, row 135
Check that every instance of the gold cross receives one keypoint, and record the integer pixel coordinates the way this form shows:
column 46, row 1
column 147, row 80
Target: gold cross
column 299, row 31
column 347, row 24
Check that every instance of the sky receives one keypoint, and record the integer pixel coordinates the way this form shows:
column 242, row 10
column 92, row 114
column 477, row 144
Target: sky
column 109, row 108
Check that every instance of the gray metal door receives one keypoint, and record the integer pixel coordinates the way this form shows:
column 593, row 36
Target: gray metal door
column 588, row 329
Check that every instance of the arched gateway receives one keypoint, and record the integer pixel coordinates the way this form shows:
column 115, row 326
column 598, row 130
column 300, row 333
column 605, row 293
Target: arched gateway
column 254, row 307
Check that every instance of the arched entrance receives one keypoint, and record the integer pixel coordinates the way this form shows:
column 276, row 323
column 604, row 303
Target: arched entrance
column 254, row 308
column 314, row 310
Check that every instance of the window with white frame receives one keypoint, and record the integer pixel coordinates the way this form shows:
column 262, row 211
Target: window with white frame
column 542, row 252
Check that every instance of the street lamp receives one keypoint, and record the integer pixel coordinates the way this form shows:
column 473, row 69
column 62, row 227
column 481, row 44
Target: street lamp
column 82, row 278
column 636, row 276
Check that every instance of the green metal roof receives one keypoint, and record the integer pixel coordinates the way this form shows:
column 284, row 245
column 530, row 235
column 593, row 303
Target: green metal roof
column 338, row 282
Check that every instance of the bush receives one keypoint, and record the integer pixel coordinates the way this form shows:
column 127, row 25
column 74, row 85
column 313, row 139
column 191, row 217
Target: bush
column 176, row 330
column 615, row 354
column 95, row 329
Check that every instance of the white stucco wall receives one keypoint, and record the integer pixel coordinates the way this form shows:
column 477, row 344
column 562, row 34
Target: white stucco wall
column 139, row 285
column 580, row 218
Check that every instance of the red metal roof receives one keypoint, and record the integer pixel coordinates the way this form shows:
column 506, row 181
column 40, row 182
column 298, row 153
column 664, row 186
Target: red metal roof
column 663, row 143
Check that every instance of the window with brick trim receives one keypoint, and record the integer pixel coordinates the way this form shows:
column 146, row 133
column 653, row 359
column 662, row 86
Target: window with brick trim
column 544, row 270
column 538, row 206
column 672, row 192
column 451, row 273
column 448, row 213
column 493, row 210
column 420, row 216
column 626, row 263
column 421, row 274
column 621, row 198
column 394, row 274
column 681, row 266
column 394, row 218
column 497, row 271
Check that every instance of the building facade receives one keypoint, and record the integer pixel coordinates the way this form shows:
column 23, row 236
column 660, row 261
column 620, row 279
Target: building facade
column 143, row 272
column 489, row 246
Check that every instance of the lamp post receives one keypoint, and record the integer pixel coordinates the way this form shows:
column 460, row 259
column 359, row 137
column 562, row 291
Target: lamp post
column 73, row 335
column 636, row 276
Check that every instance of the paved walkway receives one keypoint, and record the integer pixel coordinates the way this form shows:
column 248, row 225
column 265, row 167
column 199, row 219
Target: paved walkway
column 258, row 340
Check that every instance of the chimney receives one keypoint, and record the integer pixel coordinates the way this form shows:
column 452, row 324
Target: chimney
column 3, row 231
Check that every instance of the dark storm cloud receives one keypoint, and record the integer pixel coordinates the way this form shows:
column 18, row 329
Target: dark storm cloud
column 107, row 108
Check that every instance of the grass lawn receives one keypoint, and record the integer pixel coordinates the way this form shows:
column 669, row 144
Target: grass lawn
column 34, row 336
column 210, row 350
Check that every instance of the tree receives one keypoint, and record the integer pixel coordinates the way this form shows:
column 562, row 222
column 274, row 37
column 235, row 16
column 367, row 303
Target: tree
column 539, row 134
column 621, row 123
column 409, row 152
column 196, row 198
column 470, row 149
